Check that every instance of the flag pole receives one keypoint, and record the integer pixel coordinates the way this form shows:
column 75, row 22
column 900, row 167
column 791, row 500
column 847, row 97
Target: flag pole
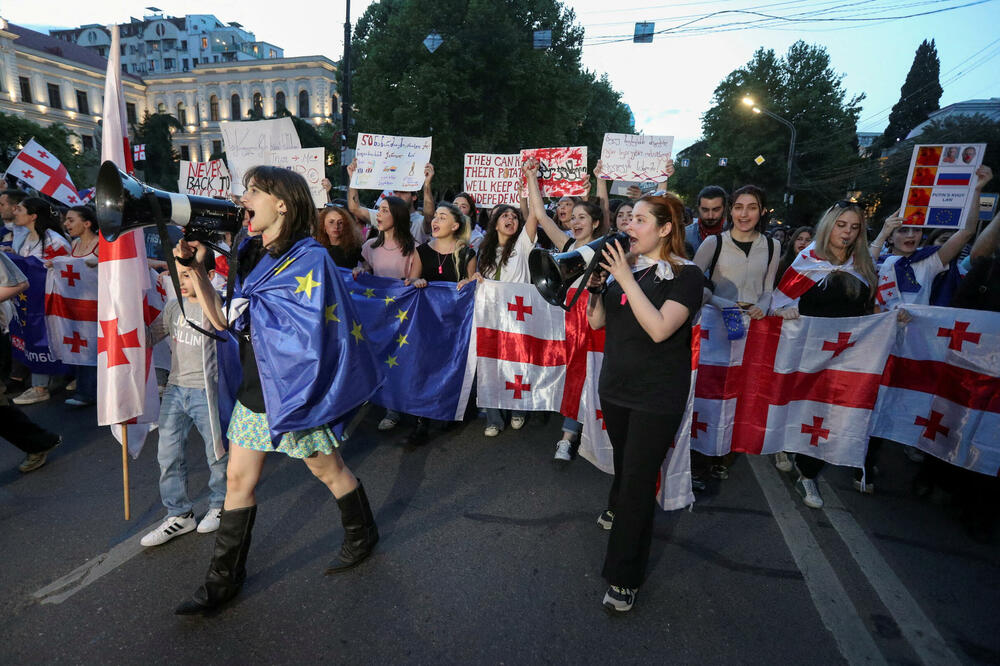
column 128, row 510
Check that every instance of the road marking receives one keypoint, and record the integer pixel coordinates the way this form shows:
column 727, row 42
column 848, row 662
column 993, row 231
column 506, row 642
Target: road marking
column 917, row 628
column 829, row 597
column 78, row 579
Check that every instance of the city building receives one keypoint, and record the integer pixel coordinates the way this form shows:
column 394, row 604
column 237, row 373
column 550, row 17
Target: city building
column 990, row 108
column 48, row 79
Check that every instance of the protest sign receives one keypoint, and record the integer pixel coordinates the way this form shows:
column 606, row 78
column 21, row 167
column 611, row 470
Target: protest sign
column 635, row 157
column 561, row 171
column 308, row 163
column 620, row 187
column 940, row 184
column 492, row 179
column 249, row 144
column 387, row 162
column 205, row 179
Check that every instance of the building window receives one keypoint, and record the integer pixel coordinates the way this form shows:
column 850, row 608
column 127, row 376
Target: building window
column 334, row 105
column 181, row 113
column 204, row 42
column 185, row 153
column 213, row 109
column 152, row 65
column 55, row 99
column 215, row 58
column 279, row 101
column 123, row 49
column 184, row 63
column 130, row 112
column 184, row 45
column 303, row 104
column 234, row 107
column 197, row 112
column 82, row 105
column 216, row 147
column 258, row 103
column 88, row 142
column 25, row 89
column 168, row 64
column 204, row 60
column 102, row 51
column 124, row 69
column 161, row 108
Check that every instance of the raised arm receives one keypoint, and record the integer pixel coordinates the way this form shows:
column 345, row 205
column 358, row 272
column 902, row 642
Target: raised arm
column 954, row 245
column 353, row 200
column 987, row 242
column 602, row 194
column 429, row 203
column 208, row 298
column 891, row 223
column 537, row 208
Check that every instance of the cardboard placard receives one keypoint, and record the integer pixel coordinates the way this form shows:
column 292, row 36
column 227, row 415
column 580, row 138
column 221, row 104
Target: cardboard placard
column 940, row 184
column 308, row 163
column 561, row 171
column 492, row 179
column 249, row 143
column 387, row 162
column 635, row 157
column 205, row 179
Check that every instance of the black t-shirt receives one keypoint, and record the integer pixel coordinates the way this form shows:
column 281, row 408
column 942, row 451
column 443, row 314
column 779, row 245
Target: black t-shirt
column 839, row 295
column 345, row 259
column 250, row 392
column 746, row 246
column 641, row 374
column 437, row 267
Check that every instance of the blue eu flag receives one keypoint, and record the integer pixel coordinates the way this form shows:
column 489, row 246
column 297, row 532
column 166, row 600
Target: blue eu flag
column 420, row 338
column 29, row 337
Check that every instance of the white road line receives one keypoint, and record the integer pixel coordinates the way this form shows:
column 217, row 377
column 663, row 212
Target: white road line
column 828, row 594
column 916, row 627
column 78, row 579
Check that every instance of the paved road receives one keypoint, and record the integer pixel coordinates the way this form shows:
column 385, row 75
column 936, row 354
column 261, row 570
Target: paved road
column 489, row 554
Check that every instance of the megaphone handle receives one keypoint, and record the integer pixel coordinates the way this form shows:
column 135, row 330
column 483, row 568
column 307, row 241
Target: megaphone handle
column 594, row 263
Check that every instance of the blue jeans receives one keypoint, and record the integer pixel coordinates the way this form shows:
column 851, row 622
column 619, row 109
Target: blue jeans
column 498, row 417
column 181, row 408
column 86, row 382
column 572, row 427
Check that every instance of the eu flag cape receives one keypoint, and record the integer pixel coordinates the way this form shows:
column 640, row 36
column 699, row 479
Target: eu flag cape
column 312, row 371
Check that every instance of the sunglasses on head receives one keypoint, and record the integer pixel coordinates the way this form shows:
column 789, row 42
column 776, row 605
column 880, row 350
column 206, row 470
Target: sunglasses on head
column 847, row 203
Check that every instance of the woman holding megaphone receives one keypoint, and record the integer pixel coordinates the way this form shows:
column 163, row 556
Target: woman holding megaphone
column 646, row 311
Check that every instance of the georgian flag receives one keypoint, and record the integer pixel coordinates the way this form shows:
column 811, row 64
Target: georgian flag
column 941, row 387
column 44, row 172
column 807, row 270
column 71, row 310
column 808, row 386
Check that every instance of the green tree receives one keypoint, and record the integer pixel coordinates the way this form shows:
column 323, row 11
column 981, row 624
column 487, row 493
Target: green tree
column 485, row 89
column 802, row 88
column 919, row 96
column 16, row 131
column 162, row 161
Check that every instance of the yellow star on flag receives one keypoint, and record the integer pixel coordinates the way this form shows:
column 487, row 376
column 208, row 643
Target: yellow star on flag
column 401, row 340
column 356, row 332
column 306, row 284
column 369, row 293
column 330, row 309
column 288, row 262
column 22, row 296
column 401, row 316
column 392, row 361
column 389, row 299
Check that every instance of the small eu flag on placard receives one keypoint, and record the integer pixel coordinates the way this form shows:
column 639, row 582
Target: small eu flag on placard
column 944, row 216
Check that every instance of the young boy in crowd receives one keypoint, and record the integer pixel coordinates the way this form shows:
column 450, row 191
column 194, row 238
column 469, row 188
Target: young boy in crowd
column 186, row 402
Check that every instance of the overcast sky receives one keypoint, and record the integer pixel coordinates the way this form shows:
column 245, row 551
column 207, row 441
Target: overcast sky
column 669, row 83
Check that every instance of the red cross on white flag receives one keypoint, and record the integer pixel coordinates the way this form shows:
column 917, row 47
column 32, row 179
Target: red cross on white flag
column 43, row 171
column 71, row 310
column 139, row 152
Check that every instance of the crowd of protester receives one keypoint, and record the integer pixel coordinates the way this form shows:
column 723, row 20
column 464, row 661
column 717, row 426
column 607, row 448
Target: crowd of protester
column 724, row 251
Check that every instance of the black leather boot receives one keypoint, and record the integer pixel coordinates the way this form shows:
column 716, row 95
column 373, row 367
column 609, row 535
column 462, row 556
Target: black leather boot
column 360, row 532
column 419, row 435
column 228, row 570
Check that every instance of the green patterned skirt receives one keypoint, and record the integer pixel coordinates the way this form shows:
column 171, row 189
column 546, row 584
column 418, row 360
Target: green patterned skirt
column 249, row 430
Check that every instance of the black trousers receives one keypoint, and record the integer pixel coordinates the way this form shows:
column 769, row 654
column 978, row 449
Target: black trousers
column 811, row 467
column 640, row 441
column 20, row 431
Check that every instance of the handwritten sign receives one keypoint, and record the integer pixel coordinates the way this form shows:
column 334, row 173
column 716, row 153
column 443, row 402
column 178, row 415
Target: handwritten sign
column 249, row 144
column 635, row 157
column 620, row 187
column 308, row 163
column 206, row 179
column 940, row 184
column 387, row 162
column 561, row 171
column 492, row 179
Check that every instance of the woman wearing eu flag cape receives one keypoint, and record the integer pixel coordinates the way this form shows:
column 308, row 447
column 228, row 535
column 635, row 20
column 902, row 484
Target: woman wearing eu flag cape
column 297, row 355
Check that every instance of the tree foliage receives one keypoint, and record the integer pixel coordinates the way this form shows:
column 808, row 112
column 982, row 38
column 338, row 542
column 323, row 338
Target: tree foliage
column 802, row 88
column 162, row 165
column 919, row 96
column 485, row 89
column 16, row 131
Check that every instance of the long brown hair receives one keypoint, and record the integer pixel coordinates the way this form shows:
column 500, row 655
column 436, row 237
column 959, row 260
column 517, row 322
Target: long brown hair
column 350, row 240
column 668, row 208
column 291, row 188
column 488, row 249
column 400, row 226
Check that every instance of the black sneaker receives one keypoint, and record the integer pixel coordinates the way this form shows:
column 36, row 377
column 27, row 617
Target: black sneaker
column 619, row 599
column 606, row 519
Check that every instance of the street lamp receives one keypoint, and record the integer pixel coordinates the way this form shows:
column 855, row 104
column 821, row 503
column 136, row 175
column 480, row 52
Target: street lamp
column 748, row 101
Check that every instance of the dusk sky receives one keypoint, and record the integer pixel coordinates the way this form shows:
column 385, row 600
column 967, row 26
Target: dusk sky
column 669, row 83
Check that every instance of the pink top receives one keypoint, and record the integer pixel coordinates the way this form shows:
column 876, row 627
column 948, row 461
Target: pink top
column 387, row 263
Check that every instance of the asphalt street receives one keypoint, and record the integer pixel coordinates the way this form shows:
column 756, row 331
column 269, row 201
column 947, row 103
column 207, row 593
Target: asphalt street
column 490, row 554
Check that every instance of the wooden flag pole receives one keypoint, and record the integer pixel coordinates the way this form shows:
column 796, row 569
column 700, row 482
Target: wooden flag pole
column 128, row 510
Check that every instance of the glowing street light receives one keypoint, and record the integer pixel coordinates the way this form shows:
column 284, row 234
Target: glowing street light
column 748, row 101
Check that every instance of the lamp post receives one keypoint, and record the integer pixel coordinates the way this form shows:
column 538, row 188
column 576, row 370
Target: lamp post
column 789, row 197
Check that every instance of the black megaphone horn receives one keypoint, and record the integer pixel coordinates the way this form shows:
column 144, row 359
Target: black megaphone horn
column 554, row 273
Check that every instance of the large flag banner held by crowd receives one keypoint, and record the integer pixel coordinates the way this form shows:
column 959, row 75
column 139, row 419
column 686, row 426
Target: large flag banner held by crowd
column 940, row 184
column 43, row 171
column 387, row 162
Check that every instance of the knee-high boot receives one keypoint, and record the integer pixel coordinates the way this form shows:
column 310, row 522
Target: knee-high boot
column 360, row 531
column 228, row 570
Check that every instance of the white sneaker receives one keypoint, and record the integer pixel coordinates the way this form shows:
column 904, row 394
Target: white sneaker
column 168, row 529
column 619, row 599
column 517, row 422
column 563, row 447
column 32, row 395
column 71, row 386
column 782, row 462
column 491, row 431
column 387, row 424
column 810, row 493
column 210, row 522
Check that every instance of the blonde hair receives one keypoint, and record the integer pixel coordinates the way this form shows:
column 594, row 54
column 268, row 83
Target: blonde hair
column 859, row 250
